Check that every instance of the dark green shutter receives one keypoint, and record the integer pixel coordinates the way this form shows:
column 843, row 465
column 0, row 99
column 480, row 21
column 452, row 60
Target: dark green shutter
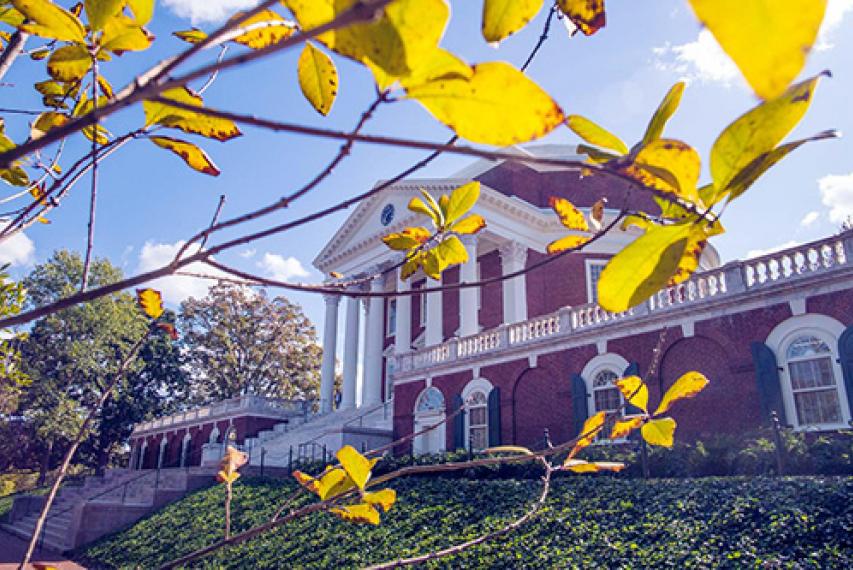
column 632, row 370
column 580, row 409
column 494, row 417
column 769, row 386
column 845, row 353
column 458, row 423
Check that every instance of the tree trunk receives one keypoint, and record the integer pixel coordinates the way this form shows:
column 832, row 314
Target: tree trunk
column 103, row 461
column 45, row 465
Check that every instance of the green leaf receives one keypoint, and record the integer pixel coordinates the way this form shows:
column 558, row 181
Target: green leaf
column 498, row 105
column 759, row 131
column 69, row 63
column 663, row 113
column 318, row 78
column 50, row 21
column 596, row 134
column 502, row 18
column 767, row 39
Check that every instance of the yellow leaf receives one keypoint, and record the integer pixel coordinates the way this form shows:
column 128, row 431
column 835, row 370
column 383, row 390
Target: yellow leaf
column 581, row 466
column 123, row 34
column 356, row 465
column 594, row 155
column 663, row 113
column 318, row 78
column 38, row 194
column 451, row 252
column 150, row 301
column 587, row 15
column 635, row 391
column 659, row 432
column 361, row 513
column 431, row 263
column 669, row 165
column 441, row 64
column 265, row 29
column 330, row 484
column 69, row 63
column 45, row 122
column 469, row 224
column 188, row 121
column 596, row 134
column 194, row 156
column 100, row 11
column 407, row 239
column 643, row 267
column 410, row 267
column 509, row 449
column 9, row 15
column 419, row 206
column 143, row 10
column 589, row 431
column 569, row 215
column 225, row 477
column 384, row 498
column 758, row 132
column 232, row 460
column 624, row 427
column 434, row 206
column 105, row 86
column 787, row 33
column 564, row 243
column 96, row 132
column 687, row 386
column 498, row 105
column 461, row 200
column 48, row 20
column 639, row 220
column 192, row 36
column 502, row 18
column 689, row 262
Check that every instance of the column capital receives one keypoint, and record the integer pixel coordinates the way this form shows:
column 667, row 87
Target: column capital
column 469, row 240
column 332, row 299
column 513, row 252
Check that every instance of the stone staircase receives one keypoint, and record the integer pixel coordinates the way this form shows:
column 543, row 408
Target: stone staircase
column 365, row 427
column 102, row 505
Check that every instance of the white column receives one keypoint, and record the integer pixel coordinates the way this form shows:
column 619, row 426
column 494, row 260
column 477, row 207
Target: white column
column 434, row 315
column 372, row 383
column 330, row 341
column 403, row 330
column 513, row 258
column 350, row 354
column 468, row 320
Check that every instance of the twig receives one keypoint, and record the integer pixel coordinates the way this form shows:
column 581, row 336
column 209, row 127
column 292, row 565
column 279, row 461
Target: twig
column 212, row 222
column 12, row 51
column 81, row 433
column 90, row 236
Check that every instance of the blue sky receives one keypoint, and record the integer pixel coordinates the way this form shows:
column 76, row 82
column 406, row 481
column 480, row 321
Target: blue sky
column 149, row 200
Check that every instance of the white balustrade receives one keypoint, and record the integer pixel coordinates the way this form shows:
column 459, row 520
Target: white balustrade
column 534, row 329
column 697, row 288
column 592, row 315
column 795, row 262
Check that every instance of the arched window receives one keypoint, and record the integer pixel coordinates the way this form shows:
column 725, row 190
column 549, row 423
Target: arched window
column 607, row 398
column 478, row 421
column 813, row 381
column 429, row 411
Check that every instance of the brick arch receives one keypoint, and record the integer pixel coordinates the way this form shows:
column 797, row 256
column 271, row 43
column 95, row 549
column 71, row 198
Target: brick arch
column 727, row 405
column 538, row 403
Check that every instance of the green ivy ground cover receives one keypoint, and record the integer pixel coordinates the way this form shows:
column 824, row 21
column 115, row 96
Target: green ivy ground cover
column 588, row 522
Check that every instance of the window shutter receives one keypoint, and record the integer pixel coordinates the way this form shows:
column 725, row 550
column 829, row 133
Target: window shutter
column 845, row 353
column 632, row 370
column 458, row 423
column 769, row 386
column 494, row 417
column 580, row 409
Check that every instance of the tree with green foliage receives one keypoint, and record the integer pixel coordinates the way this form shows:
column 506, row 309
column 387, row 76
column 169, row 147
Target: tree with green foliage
column 241, row 342
column 12, row 377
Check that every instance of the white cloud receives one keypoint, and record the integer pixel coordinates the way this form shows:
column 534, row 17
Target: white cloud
column 17, row 250
column 282, row 268
column 210, row 11
column 248, row 253
column 759, row 252
column 702, row 60
column 809, row 219
column 836, row 193
column 175, row 288
column 835, row 12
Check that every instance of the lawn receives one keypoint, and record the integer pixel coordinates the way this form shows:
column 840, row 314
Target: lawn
column 588, row 522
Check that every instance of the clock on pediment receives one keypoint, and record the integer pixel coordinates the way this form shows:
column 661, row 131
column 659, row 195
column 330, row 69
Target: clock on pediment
column 387, row 215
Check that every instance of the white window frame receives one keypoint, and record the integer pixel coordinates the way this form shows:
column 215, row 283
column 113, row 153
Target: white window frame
column 588, row 264
column 780, row 339
column 389, row 372
column 422, row 299
column 391, row 328
column 476, row 385
column 424, row 419
column 603, row 362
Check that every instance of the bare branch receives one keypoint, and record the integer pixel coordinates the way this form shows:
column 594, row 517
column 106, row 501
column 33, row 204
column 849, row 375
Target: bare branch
column 12, row 51
column 93, row 197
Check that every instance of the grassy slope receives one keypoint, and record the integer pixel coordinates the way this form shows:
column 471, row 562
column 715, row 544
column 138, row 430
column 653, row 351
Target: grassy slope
column 589, row 522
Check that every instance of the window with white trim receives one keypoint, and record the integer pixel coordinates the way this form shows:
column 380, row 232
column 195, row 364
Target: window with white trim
column 594, row 267
column 606, row 398
column 478, row 421
column 392, row 318
column 813, row 381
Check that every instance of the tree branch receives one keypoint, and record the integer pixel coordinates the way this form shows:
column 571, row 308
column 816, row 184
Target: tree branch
column 93, row 198
column 12, row 51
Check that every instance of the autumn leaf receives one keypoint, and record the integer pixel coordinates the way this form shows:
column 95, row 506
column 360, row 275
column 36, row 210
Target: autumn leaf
column 188, row 121
column 670, row 166
column 588, row 433
column 581, row 466
column 596, row 213
column 191, row 36
column 469, row 224
column 659, row 432
column 595, row 134
column 100, row 11
column 318, row 78
column 420, row 207
column 502, row 18
column 624, row 427
column 46, row 122
column 231, row 461
column 384, row 499
column 461, row 200
column 356, row 465
column 514, row 449
column 169, row 329
column 266, row 28
column 787, row 31
column 569, row 215
column 361, row 513
column 48, row 20
column 143, row 10
column 407, row 239
column 123, row 34
column 150, row 301
column 687, row 386
column 451, row 252
column 497, row 105
column 194, row 156
column 330, row 484
column 566, row 243
column 634, row 391
column 587, row 15
column 69, row 63
column 663, row 113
